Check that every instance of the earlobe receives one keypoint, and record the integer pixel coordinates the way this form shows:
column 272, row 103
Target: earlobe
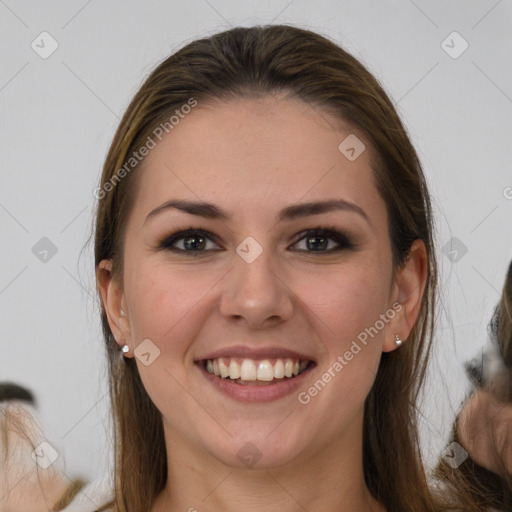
column 112, row 300
column 409, row 287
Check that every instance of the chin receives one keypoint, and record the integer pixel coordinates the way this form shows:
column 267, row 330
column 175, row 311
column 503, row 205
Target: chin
column 260, row 451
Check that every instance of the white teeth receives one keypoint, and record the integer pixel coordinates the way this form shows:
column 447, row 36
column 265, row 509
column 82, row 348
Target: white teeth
column 234, row 369
column 265, row 371
column 224, row 371
column 250, row 370
column 288, row 368
column 279, row 369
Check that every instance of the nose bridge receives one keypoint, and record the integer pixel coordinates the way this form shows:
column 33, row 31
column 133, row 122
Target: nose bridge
column 254, row 290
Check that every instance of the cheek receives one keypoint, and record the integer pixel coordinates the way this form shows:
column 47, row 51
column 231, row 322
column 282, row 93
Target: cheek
column 166, row 304
column 167, row 309
column 347, row 300
column 347, row 306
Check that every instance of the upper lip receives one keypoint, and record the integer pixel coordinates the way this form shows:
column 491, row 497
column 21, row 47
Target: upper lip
column 255, row 353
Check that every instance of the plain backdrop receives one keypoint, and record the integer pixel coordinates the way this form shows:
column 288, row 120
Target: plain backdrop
column 59, row 114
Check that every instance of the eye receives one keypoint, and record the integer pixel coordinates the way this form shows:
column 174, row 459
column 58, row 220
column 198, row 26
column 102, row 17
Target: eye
column 195, row 240
column 317, row 240
column 192, row 240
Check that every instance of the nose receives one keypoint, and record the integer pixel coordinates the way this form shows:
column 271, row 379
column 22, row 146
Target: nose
column 256, row 293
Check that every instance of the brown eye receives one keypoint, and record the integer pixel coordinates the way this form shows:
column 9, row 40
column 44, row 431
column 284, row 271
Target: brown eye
column 318, row 240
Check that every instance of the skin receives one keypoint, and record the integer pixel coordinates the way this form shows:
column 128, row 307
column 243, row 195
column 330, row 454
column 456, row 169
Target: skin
column 253, row 157
column 485, row 431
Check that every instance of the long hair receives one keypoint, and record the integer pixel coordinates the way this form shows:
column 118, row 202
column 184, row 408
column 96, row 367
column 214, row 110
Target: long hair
column 252, row 62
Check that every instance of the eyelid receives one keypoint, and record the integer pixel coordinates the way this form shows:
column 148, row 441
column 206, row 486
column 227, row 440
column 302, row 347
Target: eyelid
column 166, row 243
column 342, row 238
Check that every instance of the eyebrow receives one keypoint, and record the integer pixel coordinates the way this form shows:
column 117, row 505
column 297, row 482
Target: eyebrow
column 295, row 211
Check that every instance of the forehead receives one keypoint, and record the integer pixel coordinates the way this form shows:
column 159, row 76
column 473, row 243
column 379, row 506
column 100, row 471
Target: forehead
column 257, row 155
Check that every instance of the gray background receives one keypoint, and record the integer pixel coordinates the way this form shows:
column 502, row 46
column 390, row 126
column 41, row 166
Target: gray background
column 58, row 116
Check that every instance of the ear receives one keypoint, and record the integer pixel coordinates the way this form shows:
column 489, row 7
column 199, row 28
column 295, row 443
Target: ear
column 113, row 301
column 407, row 290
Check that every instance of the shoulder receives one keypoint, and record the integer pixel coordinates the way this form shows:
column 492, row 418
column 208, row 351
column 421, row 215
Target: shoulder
column 92, row 497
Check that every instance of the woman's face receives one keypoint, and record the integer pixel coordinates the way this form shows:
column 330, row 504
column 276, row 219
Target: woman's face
column 256, row 286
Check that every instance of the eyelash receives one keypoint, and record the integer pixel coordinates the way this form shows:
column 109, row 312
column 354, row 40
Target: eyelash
column 343, row 240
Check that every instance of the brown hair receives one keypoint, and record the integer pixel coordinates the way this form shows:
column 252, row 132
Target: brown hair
column 485, row 488
column 256, row 61
column 501, row 323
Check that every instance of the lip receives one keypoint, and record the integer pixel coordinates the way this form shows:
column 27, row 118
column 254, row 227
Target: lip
column 259, row 393
column 255, row 353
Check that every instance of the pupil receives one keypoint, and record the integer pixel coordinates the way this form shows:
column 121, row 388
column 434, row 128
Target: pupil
column 194, row 244
column 315, row 247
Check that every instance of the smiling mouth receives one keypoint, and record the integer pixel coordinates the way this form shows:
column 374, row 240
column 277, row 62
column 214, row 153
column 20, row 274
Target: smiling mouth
column 254, row 372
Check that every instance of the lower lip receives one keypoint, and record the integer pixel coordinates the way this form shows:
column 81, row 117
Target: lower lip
column 277, row 388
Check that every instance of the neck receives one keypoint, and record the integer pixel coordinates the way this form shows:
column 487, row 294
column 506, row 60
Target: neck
column 328, row 479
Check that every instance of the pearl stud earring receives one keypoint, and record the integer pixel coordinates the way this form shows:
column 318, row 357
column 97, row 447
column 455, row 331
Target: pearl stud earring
column 398, row 341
